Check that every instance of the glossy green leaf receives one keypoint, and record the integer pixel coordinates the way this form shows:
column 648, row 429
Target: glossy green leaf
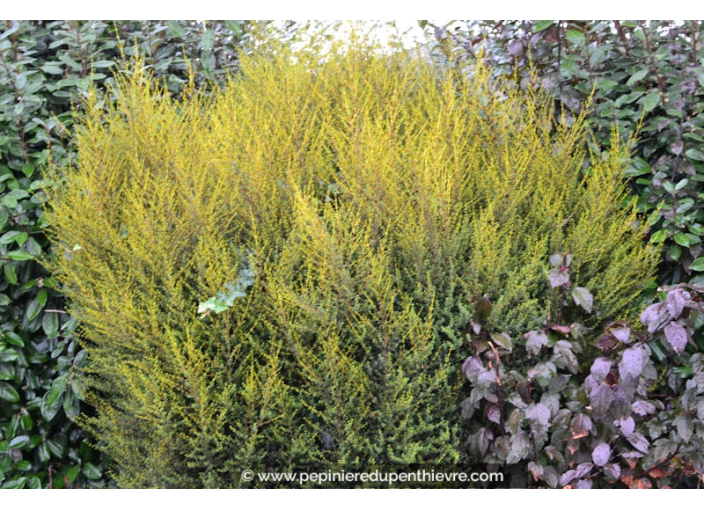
column 57, row 388
column 43, row 452
column 637, row 76
column 18, row 442
column 33, row 482
column 79, row 388
column 694, row 154
column 42, row 297
column 23, row 465
column 52, row 69
column 73, row 473
column 18, row 194
column 176, row 29
column 8, row 354
column 8, row 393
column 49, row 411
column 58, row 446
column 14, row 484
column 13, row 236
column 208, row 40
column 9, row 202
column 543, row 24
column 10, row 273
column 659, row 236
column 34, row 307
column 91, row 471
column 7, row 372
column 19, row 255
column 682, row 239
column 14, row 339
column 50, row 324
column 27, row 421
column 575, row 36
column 651, row 101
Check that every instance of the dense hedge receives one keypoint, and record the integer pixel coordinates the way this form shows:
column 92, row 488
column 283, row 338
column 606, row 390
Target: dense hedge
column 45, row 69
column 287, row 274
column 644, row 76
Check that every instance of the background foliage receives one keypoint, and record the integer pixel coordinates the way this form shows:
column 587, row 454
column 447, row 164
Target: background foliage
column 338, row 224
column 45, row 70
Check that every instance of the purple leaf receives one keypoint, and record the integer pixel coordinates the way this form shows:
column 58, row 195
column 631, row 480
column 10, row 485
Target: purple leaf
column 684, row 427
column 654, row 316
column 515, row 48
column 583, row 469
column 614, row 470
column 550, row 477
column 556, row 259
column 700, row 409
column 643, row 408
column 639, row 442
column 471, row 368
column 558, row 278
column 600, row 368
column 621, row 398
column 631, row 364
column 590, row 384
column 493, row 413
column 476, row 327
column 568, row 476
column 676, row 300
column 581, row 426
column 538, row 414
column 521, row 445
column 484, row 438
column 536, row 469
column 584, row 484
column 536, row 340
column 564, row 349
column 632, row 455
column 554, row 454
column 583, row 298
column 623, row 335
column 468, row 407
column 601, row 454
column 627, row 425
column 565, row 330
column 677, row 336
column 486, row 377
column 601, row 398
column 606, row 343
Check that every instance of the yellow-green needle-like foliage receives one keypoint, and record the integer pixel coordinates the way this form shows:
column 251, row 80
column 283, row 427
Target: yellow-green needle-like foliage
column 375, row 197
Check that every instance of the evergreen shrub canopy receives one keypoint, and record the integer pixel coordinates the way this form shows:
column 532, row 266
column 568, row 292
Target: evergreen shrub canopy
column 280, row 275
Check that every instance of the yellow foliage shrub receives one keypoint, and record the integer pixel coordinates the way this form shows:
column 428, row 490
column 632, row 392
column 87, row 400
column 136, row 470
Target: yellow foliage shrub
column 374, row 197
